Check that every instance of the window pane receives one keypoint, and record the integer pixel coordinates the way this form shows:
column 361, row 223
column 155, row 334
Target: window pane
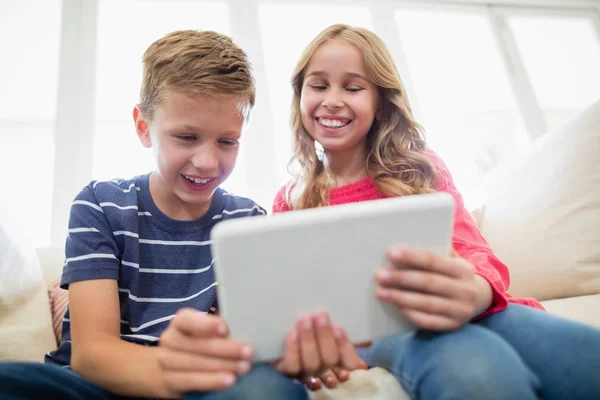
column 117, row 151
column 30, row 40
column 562, row 58
column 463, row 92
column 27, row 171
column 305, row 21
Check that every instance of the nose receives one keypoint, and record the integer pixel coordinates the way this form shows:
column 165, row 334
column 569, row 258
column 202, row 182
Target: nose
column 206, row 159
column 333, row 100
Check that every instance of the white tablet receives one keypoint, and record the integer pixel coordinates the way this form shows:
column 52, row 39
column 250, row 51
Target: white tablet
column 272, row 269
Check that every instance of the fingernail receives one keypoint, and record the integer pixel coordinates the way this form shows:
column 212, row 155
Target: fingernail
column 222, row 329
column 383, row 293
column 337, row 332
column 247, row 352
column 243, row 367
column 397, row 252
column 229, row 380
column 322, row 319
column 307, row 324
column 383, row 274
column 293, row 334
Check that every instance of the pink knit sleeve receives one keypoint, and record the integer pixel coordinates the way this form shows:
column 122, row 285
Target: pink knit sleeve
column 280, row 204
column 470, row 244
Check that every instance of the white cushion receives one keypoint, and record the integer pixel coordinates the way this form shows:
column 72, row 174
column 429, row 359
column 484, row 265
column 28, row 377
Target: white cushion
column 542, row 213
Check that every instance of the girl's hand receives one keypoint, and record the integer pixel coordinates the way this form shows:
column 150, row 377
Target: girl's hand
column 435, row 292
column 196, row 355
column 314, row 346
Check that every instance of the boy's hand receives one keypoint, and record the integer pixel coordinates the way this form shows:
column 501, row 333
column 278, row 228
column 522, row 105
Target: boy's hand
column 314, row 346
column 196, row 355
column 435, row 292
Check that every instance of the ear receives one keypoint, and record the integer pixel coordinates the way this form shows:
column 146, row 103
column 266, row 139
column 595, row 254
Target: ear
column 141, row 127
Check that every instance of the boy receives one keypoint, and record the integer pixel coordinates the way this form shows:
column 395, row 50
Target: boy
column 138, row 264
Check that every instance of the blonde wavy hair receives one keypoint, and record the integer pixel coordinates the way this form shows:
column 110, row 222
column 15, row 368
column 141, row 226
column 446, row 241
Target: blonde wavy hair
column 395, row 143
column 193, row 61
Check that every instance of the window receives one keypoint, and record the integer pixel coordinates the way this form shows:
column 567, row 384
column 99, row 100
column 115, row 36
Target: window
column 562, row 57
column 29, row 39
column 125, row 30
column 305, row 22
column 463, row 93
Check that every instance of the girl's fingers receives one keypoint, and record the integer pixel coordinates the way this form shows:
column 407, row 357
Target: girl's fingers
column 290, row 364
column 442, row 264
column 326, row 340
column 427, row 303
column 329, row 378
column 309, row 351
column 349, row 358
column 185, row 382
column 188, row 362
column 341, row 374
column 313, row 383
column 424, row 281
column 432, row 322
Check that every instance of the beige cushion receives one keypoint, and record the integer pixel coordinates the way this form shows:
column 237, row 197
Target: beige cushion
column 372, row 384
column 26, row 332
column 581, row 309
column 542, row 213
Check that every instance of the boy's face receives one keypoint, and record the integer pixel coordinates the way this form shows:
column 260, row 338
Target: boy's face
column 195, row 140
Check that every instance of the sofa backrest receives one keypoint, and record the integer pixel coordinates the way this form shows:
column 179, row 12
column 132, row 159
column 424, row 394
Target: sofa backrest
column 542, row 213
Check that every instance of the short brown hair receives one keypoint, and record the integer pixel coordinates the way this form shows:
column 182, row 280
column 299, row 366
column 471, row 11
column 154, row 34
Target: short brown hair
column 203, row 62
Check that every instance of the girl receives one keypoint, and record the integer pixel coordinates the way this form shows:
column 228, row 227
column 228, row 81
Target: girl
column 475, row 340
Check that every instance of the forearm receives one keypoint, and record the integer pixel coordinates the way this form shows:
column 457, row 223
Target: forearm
column 484, row 295
column 122, row 368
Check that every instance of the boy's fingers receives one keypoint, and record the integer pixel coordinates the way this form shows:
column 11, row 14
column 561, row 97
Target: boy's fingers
column 185, row 382
column 198, row 324
column 215, row 347
column 179, row 361
column 330, row 355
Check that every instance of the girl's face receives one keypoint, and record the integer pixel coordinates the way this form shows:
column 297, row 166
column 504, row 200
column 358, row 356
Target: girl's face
column 338, row 103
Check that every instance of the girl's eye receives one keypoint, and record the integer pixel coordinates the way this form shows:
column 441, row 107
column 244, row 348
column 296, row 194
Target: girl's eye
column 318, row 87
column 354, row 89
column 229, row 142
column 187, row 138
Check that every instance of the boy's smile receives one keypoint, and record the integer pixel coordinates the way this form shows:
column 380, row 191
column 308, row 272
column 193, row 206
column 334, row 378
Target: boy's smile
column 195, row 139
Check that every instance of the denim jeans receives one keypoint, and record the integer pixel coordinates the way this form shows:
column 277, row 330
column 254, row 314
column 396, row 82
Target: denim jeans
column 33, row 381
column 519, row 353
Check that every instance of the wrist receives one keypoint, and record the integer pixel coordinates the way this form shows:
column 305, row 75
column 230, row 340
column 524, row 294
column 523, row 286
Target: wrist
column 484, row 295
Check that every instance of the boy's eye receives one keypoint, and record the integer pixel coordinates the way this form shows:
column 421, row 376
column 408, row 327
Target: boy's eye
column 187, row 138
column 229, row 142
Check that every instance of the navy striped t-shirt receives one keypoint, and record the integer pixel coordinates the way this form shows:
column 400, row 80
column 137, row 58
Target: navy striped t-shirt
column 161, row 265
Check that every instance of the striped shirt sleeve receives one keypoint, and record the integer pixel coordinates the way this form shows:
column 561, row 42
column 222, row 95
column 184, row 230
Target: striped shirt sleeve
column 91, row 250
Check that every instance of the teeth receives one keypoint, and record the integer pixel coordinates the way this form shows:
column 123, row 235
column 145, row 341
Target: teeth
column 197, row 181
column 331, row 123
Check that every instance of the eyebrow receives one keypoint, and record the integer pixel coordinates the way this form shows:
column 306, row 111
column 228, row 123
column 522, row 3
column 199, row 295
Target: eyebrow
column 349, row 74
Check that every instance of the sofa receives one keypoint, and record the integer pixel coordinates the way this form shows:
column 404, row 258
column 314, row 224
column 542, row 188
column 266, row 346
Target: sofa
column 541, row 217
